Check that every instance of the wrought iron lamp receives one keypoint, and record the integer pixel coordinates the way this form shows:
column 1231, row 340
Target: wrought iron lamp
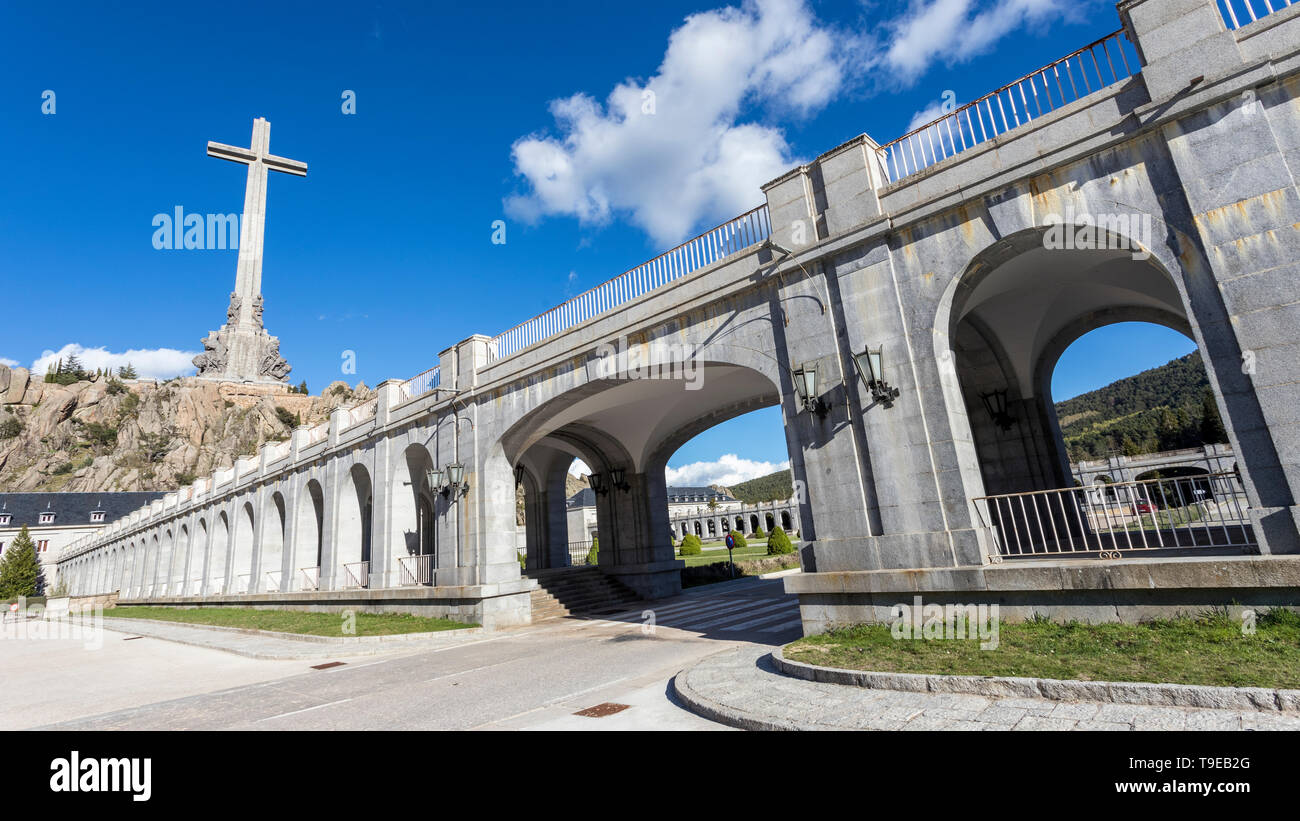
column 805, row 385
column 617, row 476
column 456, row 479
column 435, row 480
column 995, row 402
column 871, row 369
column 597, row 483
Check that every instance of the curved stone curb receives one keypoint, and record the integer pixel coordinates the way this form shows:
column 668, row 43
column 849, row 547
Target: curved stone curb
column 272, row 634
column 704, row 706
column 1118, row 692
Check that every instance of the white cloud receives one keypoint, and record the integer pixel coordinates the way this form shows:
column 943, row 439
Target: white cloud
column 953, row 31
column 8, row 363
column 672, row 153
column 579, row 468
column 730, row 469
column 158, row 363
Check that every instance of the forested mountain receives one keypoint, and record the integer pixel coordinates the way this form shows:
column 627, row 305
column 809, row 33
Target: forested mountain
column 772, row 487
column 1163, row 408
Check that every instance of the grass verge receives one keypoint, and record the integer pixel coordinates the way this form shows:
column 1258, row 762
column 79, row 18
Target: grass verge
column 1211, row 649
column 292, row 621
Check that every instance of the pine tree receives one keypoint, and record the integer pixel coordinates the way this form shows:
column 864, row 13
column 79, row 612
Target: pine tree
column 20, row 568
column 127, row 372
column 1212, row 431
column 778, row 543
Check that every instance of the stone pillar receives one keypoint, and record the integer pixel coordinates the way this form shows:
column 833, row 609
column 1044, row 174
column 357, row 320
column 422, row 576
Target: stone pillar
column 1236, row 244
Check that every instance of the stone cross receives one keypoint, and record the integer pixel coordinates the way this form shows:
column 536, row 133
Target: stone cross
column 245, row 302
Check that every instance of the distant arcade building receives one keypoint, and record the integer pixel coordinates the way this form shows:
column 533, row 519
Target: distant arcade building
column 55, row 520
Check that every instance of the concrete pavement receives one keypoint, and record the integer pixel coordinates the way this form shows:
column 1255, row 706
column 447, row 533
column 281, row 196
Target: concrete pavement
column 532, row 678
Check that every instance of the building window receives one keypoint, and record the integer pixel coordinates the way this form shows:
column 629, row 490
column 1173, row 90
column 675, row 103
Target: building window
column 4, row 518
column 47, row 517
column 42, row 544
column 96, row 515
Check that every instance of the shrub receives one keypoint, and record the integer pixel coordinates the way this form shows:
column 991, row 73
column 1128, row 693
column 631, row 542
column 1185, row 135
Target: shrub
column 759, row 534
column 778, row 543
column 10, row 427
column 691, row 545
column 100, row 434
column 115, row 387
column 739, row 537
column 523, row 561
column 66, row 467
column 593, row 555
column 286, row 417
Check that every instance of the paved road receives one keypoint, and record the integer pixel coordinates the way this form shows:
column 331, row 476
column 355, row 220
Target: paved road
column 537, row 677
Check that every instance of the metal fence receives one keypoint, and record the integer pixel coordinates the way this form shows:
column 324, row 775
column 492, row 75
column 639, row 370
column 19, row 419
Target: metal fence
column 1091, row 68
column 273, row 581
column 416, row 569
column 310, row 577
column 356, row 574
column 578, row 552
column 1238, row 13
column 421, row 383
column 1198, row 511
column 745, row 231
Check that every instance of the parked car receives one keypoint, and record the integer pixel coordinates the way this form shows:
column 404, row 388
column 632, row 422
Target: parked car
column 1144, row 506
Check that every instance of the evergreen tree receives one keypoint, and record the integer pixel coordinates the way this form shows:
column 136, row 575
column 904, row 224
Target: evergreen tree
column 127, row 372
column 1212, row 431
column 691, row 545
column 20, row 568
column 302, row 387
column 778, row 543
column 593, row 555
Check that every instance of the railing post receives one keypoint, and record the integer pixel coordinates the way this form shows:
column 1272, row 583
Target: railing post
column 851, row 174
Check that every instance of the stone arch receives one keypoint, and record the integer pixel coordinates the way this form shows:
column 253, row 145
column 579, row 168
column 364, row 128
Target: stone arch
column 411, row 506
column 355, row 524
column 218, row 552
column 309, row 530
column 196, row 566
column 180, row 562
column 241, row 565
column 274, row 523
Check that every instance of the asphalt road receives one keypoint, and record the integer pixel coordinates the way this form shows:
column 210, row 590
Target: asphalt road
column 538, row 677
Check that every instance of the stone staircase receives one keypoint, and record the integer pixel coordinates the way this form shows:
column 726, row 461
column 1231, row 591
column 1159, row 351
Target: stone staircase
column 577, row 591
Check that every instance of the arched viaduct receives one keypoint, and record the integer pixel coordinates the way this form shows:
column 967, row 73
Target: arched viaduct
column 971, row 272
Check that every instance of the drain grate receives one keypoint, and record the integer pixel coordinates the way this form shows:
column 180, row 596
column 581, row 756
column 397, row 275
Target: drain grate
column 328, row 665
column 609, row 708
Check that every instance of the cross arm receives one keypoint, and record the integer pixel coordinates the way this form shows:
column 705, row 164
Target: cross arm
column 285, row 165
column 231, row 152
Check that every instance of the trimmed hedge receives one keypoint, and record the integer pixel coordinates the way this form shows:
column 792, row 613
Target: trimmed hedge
column 691, row 545
column 778, row 544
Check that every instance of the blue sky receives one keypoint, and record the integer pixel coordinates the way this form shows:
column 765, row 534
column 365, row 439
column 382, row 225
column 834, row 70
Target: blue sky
column 465, row 114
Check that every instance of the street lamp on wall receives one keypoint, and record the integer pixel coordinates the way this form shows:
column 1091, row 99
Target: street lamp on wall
column 617, row 476
column 435, row 480
column 871, row 369
column 597, row 483
column 805, row 385
column 995, row 402
column 455, row 476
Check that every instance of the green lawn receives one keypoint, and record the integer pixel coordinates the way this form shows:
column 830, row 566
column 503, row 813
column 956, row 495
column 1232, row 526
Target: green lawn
column 753, row 551
column 291, row 621
column 1207, row 650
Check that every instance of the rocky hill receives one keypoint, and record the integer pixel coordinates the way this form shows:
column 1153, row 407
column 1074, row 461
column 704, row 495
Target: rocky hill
column 102, row 434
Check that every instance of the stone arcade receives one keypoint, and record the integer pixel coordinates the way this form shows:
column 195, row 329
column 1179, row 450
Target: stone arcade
column 929, row 249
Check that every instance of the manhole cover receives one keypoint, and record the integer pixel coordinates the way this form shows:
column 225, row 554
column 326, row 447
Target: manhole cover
column 602, row 710
column 328, row 665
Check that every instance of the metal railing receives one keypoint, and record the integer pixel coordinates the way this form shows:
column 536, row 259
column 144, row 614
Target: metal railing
column 416, row 569
column 273, row 581
column 356, row 574
column 745, row 231
column 1199, row 511
column 1250, row 10
column 194, row 587
column 310, row 577
column 578, row 552
column 242, row 582
column 1070, row 78
column 422, row 383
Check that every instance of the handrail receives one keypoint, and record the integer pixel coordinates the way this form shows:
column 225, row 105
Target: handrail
column 745, row 231
column 900, row 158
column 1231, row 17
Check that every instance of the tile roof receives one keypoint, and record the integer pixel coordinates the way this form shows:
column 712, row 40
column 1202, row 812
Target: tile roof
column 71, row 508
